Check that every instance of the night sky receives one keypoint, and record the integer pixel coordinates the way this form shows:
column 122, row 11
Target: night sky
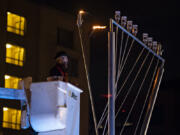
column 159, row 18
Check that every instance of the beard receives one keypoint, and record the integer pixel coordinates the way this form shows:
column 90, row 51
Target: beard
column 64, row 66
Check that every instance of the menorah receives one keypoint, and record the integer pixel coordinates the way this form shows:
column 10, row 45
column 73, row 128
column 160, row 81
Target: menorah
column 135, row 70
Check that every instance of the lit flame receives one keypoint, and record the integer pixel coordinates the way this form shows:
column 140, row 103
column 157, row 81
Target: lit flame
column 81, row 12
column 99, row 27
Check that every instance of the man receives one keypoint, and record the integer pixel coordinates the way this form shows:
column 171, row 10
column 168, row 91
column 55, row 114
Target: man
column 59, row 71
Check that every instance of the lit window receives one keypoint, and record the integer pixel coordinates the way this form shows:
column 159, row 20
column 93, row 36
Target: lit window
column 14, row 54
column 15, row 23
column 11, row 118
column 11, row 81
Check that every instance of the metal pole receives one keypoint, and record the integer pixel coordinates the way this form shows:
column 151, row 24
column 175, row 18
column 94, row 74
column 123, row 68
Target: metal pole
column 89, row 86
column 152, row 101
column 111, row 80
column 79, row 23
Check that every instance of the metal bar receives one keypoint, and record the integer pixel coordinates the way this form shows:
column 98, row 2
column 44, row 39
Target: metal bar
column 154, row 72
column 125, row 46
column 130, row 88
column 123, row 64
column 88, row 82
column 105, row 127
column 120, row 50
column 116, row 56
column 111, row 80
column 137, row 40
column 122, row 86
column 102, row 119
column 104, row 114
column 152, row 101
column 135, row 100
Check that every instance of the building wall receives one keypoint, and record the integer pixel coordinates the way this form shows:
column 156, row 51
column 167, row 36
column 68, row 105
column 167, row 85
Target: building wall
column 40, row 43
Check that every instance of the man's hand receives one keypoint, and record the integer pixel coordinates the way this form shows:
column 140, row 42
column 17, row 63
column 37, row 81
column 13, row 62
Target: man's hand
column 55, row 78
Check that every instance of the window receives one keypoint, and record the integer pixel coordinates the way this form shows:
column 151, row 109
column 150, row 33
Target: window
column 65, row 38
column 11, row 81
column 14, row 54
column 15, row 23
column 11, row 118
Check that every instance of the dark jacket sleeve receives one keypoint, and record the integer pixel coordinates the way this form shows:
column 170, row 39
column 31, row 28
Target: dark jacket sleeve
column 54, row 72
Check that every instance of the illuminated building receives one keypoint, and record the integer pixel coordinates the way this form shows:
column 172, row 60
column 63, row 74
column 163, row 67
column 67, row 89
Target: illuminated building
column 30, row 36
column 37, row 33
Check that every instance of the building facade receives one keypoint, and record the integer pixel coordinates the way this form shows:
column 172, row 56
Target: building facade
column 30, row 36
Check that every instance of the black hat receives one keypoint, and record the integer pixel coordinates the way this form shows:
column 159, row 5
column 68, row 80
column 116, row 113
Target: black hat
column 61, row 53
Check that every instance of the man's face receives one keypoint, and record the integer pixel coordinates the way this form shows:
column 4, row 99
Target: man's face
column 63, row 60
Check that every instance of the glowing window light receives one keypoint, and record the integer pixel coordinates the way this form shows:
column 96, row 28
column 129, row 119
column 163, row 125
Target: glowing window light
column 8, row 45
column 15, row 23
column 14, row 54
column 5, row 109
column 11, row 118
column 7, row 77
column 11, row 81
